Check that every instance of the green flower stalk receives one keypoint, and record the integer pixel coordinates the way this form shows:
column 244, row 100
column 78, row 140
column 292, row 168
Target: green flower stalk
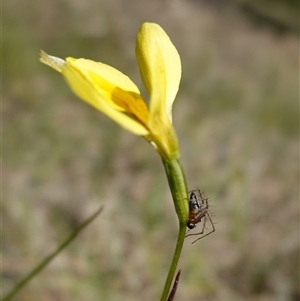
column 114, row 94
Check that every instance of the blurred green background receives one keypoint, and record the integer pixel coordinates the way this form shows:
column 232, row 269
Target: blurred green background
column 236, row 116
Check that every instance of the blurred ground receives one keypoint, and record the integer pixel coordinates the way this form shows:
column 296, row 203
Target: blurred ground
column 236, row 115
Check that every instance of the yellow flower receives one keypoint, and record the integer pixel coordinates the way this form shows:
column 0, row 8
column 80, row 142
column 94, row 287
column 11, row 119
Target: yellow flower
column 114, row 94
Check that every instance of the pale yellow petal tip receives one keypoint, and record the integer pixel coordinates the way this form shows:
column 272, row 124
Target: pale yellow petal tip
column 149, row 25
column 54, row 62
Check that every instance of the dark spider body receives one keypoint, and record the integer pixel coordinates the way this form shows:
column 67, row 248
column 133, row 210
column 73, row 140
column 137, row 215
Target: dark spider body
column 198, row 211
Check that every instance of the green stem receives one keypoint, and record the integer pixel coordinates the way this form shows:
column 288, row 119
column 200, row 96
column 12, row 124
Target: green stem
column 176, row 256
column 178, row 189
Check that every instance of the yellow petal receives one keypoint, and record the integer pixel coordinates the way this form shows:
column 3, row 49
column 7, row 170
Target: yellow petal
column 160, row 67
column 118, row 90
column 106, row 89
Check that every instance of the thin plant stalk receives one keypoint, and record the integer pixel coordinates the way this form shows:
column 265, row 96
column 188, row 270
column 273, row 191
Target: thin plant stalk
column 48, row 259
column 173, row 267
column 174, row 288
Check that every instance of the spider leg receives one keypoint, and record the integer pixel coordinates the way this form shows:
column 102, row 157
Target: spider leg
column 212, row 225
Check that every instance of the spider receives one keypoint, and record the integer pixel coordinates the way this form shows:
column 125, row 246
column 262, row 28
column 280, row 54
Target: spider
column 198, row 207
